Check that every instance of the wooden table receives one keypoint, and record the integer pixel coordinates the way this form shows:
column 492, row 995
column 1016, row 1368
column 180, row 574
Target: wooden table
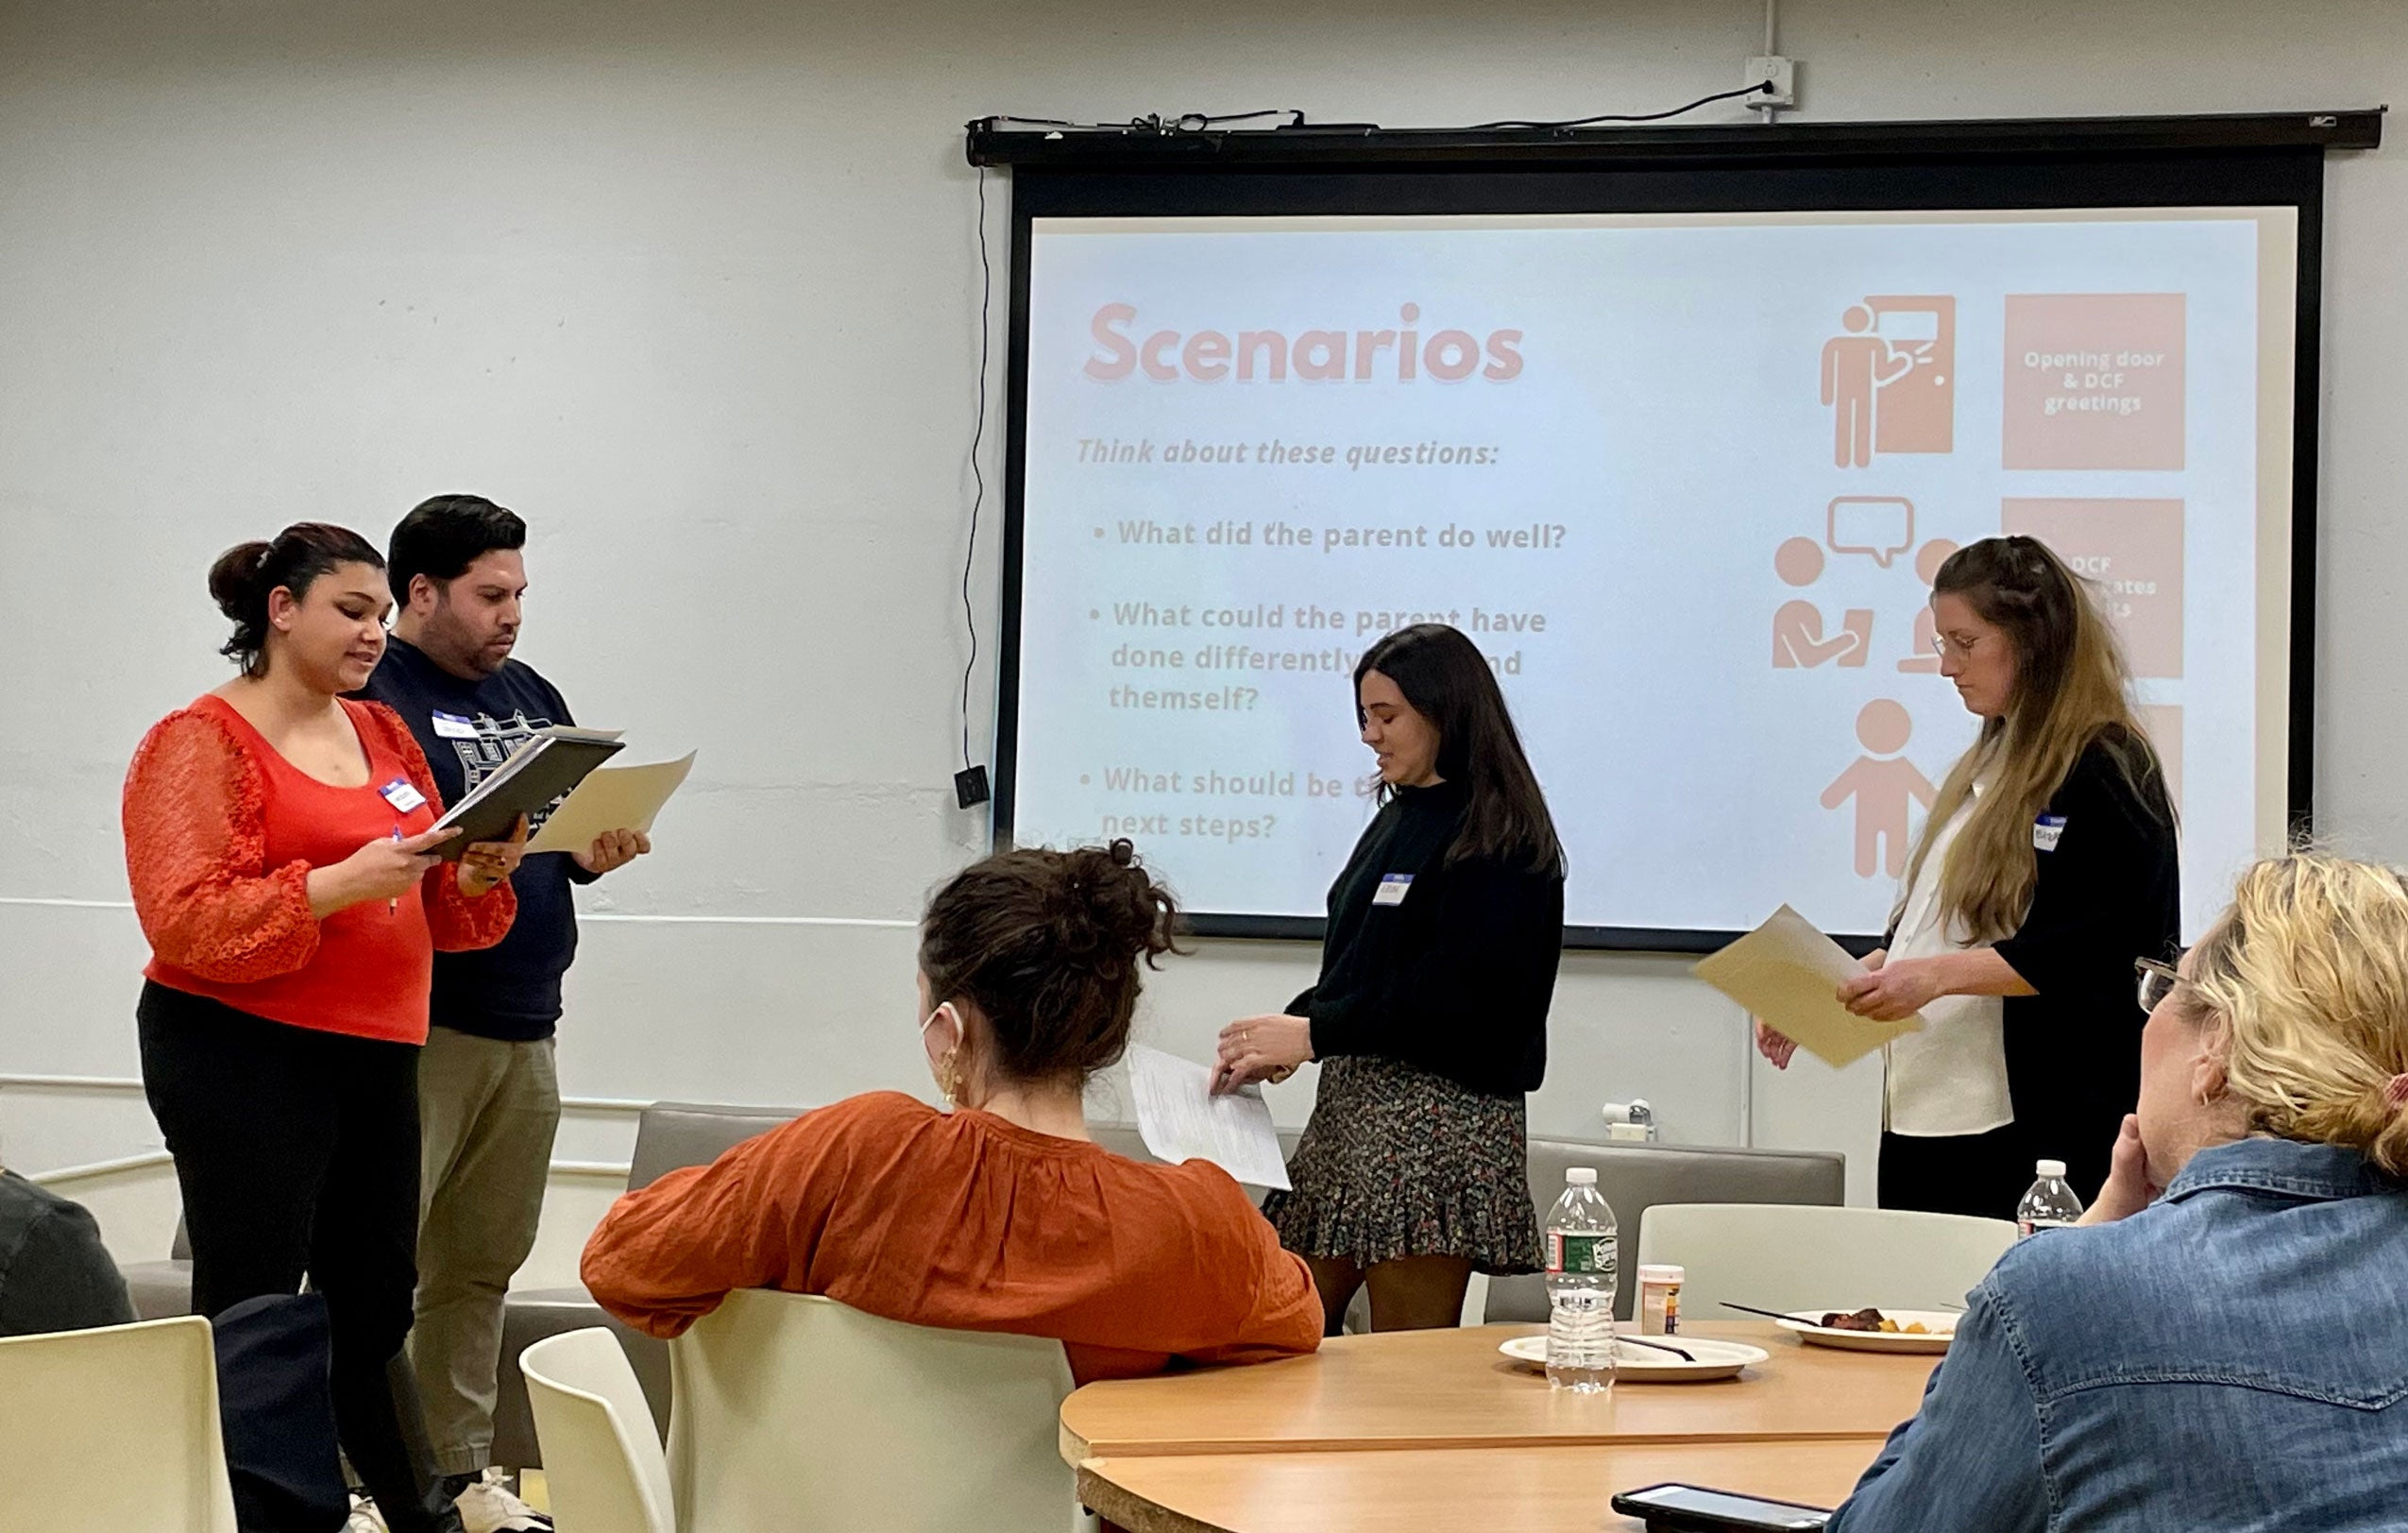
column 1526, row 1489
column 1450, row 1389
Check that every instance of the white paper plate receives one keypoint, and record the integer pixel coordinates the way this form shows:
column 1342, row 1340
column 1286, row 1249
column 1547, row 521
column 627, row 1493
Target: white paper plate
column 1645, row 1365
column 1803, row 1322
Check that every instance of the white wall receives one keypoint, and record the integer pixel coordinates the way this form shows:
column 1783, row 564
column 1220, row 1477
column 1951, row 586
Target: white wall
column 694, row 287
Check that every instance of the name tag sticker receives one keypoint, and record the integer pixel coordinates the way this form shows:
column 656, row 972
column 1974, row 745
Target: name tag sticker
column 1393, row 888
column 453, row 727
column 2045, row 832
column 402, row 796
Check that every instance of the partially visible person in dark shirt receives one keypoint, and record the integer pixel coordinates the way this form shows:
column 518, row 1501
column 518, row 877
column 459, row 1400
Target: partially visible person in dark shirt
column 488, row 1091
column 55, row 1274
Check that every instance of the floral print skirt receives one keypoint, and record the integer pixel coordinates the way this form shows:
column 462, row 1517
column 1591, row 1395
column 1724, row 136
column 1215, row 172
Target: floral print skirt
column 1398, row 1161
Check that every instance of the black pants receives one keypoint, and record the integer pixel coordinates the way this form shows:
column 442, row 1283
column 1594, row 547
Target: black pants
column 1981, row 1174
column 298, row 1153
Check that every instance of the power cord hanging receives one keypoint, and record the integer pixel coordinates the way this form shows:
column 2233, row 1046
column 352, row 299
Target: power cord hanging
column 970, row 786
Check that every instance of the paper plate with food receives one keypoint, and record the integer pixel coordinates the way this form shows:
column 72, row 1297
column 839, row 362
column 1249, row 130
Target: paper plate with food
column 1875, row 1330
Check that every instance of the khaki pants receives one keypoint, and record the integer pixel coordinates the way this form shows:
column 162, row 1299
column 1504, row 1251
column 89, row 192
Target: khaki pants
column 487, row 1112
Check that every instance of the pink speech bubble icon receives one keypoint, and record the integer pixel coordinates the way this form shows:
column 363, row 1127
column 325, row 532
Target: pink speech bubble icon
column 1879, row 526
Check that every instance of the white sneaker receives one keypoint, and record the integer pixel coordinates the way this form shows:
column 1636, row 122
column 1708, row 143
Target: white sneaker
column 487, row 1505
column 364, row 1518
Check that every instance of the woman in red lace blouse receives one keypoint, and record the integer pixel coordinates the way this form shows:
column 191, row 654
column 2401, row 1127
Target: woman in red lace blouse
column 278, row 841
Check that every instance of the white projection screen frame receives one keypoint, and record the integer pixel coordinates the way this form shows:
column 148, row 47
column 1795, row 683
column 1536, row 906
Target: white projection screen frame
column 1260, row 415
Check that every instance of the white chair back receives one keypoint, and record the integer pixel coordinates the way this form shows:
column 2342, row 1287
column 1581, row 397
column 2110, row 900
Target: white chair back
column 603, row 1465
column 794, row 1414
column 1786, row 1256
column 115, row 1428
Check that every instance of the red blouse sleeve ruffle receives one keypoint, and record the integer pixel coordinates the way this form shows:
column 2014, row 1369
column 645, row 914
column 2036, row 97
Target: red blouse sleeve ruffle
column 195, row 854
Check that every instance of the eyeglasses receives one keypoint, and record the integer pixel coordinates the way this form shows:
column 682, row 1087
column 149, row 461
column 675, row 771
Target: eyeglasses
column 1942, row 643
column 2157, row 981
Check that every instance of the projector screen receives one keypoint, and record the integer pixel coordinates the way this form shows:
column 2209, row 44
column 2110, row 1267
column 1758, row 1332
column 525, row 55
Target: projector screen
column 1684, row 477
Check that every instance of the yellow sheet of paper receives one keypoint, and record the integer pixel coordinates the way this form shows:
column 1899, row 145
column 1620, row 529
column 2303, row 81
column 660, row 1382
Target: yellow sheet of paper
column 611, row 798
column 1785, row 972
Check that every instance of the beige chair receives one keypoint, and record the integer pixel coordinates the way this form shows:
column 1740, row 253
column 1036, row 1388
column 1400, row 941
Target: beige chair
column 602, row 1462
column 670, row 1135
column 794, row 1414
column 114, row 1429
column 1788, row 1258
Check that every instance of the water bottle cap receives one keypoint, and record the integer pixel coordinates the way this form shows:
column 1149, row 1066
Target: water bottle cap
column 2052, row 1168
column 1580, row 1176
column 1663, row 1274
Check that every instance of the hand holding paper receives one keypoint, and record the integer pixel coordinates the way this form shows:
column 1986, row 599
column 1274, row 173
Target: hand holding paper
column 1789, row 974
column 1181, row 1120
column 613, row 850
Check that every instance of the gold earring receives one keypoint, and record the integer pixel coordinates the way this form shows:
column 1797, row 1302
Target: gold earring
column 949, row 1076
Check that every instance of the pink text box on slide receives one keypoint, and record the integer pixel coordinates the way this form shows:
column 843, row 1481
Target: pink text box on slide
column 2094, row 381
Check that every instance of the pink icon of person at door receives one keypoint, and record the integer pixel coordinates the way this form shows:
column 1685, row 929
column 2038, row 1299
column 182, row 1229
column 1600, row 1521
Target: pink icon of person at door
column 1855, row 366
column 1881, row 783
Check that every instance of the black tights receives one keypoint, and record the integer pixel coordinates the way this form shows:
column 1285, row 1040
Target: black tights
column 298, row 1153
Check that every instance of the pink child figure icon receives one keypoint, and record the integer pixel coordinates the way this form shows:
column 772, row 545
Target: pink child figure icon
column 1882, row 784
column 1854, row 366
column 1923, row 660
column 1798, row 641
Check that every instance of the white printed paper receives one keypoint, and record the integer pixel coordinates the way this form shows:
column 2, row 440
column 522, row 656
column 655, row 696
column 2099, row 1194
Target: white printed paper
column 1181, row 1120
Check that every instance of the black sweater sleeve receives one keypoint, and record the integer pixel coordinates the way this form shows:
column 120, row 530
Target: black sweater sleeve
column 1468, row 998
column 2108, row 893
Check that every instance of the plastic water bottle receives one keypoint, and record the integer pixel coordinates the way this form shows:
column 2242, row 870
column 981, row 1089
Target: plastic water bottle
column 1581, row 1270
column 2050, row 1204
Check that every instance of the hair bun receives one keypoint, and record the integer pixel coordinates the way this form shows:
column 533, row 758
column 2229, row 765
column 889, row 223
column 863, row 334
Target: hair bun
column 1109, row 911
column 233, row 580
column 1051, row 946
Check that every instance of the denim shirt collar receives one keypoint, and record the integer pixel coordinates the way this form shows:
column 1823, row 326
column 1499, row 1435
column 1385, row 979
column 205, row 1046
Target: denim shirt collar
column 2285, row 1167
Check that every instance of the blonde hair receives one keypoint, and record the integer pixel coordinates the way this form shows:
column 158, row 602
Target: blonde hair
column 2070, row 690
column 2306, row 976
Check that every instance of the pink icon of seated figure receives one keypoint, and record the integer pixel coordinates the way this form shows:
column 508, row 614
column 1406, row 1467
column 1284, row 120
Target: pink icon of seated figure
column 1881, row 783
column 1798, row 641
column 1924, row 659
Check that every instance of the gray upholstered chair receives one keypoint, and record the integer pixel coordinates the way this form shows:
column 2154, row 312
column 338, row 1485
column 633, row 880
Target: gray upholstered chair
column 1635, row 1177
column 1121, row 1139
column 668, row 1136
column 163, row 1290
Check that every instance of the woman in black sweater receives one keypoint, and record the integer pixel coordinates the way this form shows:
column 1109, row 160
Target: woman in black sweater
column 1429, row 1017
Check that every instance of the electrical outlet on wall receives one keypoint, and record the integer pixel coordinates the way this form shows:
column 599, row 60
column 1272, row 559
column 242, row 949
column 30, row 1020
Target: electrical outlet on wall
column 1782, row 73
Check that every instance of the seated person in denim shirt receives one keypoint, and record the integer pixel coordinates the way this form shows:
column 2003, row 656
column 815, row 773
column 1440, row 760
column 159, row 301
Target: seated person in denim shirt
column 2230, row 1353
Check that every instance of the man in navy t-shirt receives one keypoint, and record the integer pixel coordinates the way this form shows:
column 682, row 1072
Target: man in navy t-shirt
column 488, row 1099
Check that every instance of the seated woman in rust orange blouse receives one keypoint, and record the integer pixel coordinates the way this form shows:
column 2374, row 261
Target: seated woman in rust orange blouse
column 1029, row 967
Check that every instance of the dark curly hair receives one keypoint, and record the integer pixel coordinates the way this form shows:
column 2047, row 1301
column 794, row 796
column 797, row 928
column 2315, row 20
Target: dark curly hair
column 1049, row 946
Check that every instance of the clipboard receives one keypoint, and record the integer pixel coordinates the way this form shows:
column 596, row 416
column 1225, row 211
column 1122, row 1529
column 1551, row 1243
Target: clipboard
column 550, row 764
